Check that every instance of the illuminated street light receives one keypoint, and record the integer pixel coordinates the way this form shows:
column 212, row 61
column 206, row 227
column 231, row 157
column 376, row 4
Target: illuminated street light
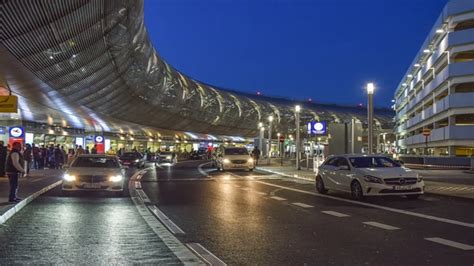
column 427, row 51
column 297, row 118
column 270, row 120
column 370, row 115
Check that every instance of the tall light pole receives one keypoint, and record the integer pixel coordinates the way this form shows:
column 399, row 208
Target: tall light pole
column 297, row 118
column 370, row 116
column 270, row 120
column 261, row 130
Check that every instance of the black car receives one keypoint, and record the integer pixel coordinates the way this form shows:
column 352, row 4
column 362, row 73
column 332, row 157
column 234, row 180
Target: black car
column 132, row 159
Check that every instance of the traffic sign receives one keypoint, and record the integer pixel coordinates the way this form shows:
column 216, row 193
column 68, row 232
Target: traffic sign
column 8, row 104
column 426, row 132
column 16, row 132
column 281, row 138
column 317, row 127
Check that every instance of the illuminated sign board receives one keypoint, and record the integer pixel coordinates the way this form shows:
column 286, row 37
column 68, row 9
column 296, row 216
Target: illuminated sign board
column 316, row 128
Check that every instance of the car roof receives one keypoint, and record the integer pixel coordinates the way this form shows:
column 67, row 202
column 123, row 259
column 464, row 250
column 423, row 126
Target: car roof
column 347, row 155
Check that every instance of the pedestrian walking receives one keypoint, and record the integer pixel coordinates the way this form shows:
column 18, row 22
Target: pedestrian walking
column 36, row 156
column 94, row 149
column 27, row 157
column 87, row 150
column 80, row 150
column 3, row 158
column 255, row 155
column 14, row 168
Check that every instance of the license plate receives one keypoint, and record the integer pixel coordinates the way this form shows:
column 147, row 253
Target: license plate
column 402, row 187
column 92, row 185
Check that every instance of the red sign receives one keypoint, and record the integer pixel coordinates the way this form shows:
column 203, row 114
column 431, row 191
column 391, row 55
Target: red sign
column 282, row 138
column 426, row 132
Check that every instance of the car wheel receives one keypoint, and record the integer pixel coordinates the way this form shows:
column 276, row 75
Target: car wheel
column 413, row 197
column 251, row 169
column 320, row 185
column 356, row 191
column 218, row 167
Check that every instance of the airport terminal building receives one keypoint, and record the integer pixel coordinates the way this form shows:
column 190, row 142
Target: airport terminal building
column 434, row 101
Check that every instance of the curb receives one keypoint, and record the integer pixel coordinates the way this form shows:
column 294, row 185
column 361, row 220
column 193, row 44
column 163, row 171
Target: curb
column 12, row 211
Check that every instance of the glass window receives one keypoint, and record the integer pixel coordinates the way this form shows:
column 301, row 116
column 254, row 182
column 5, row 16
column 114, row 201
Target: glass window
column 236, row 151
column 372, row 162
column 332, row 161
column 101, row 162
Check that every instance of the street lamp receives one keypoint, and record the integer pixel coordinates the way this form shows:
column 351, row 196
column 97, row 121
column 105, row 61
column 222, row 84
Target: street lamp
column 297, row 118
column 270, row 120
column 260, row 141
column 370, row 115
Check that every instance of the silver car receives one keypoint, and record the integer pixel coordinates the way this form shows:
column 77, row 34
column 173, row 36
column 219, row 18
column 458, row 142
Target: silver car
column 368, row 175
column 95, row 172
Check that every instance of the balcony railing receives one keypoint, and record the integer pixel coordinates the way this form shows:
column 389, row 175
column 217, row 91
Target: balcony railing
column 445, row 133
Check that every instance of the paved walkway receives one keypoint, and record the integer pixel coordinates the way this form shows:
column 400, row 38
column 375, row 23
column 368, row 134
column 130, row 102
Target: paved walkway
column 35, row 182
column 447, row 183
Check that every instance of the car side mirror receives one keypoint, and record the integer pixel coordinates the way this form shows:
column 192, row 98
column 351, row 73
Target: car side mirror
column 400, row 162
column 343, row 167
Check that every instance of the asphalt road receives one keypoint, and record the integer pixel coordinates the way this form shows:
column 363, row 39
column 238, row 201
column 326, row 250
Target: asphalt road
column 256, row 218
column 83, row 228
column 241, row 218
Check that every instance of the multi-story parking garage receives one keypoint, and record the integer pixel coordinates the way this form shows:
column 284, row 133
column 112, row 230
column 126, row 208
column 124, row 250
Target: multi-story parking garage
column 89, row 65
column 436, row 95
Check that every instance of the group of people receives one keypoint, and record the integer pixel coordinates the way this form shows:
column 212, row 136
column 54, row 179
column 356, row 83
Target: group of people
column 18, row 161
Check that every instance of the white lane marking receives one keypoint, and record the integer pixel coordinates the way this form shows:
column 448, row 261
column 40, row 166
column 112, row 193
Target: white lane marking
column 166, row 221
column 205, row 254
column 380, row 225
column 277, row 198
column 337, row 214
column 244, row 188
column 302, row 205
column 450, row 243
column 419, row 215
column 261, row 193
column 204, row 173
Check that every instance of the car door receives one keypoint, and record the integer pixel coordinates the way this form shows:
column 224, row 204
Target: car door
column 343, row 174
column 328, row 170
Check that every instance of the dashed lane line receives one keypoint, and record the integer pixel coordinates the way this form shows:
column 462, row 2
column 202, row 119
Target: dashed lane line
column 415, row 214
column 337, row 214
column 381, row 225
column 205, row 254
column 166, row 221
column 278, row 198
column 450, row 243
column 302, row 205
column 261, row 193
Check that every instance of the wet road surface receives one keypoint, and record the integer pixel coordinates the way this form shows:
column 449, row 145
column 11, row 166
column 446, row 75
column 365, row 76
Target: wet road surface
column 252, row 218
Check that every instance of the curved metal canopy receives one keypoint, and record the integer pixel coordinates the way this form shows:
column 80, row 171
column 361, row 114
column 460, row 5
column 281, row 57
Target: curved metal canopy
column 91, row 63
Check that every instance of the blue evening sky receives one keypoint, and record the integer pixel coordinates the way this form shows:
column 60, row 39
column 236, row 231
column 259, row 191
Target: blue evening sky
column 326, row 50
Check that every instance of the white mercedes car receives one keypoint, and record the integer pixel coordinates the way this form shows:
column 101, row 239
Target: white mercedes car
column 94, row 172
column 368, row 175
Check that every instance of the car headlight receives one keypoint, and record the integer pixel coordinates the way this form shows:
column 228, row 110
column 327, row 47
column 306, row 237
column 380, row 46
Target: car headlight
column 168, row 157
column 373, row 179
column 69, row 177
column 137, row 160
column 226, row 161
column 116, row 178
column 250, row 160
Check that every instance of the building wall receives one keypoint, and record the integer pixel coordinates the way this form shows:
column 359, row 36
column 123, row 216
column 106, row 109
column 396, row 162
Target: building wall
column 437, row 92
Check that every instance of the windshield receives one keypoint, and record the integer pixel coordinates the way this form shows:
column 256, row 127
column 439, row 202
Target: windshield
column 130, row 155
column 236, row 151
column 100, row 162
column 373, row 162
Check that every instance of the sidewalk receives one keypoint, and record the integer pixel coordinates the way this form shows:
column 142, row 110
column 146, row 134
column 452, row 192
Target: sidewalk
column 446, row 187
column 30, row 187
